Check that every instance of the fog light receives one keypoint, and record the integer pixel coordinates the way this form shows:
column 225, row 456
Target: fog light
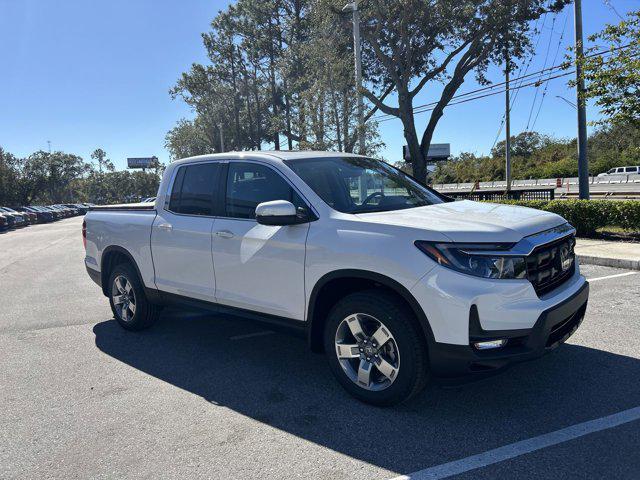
column 490, row 344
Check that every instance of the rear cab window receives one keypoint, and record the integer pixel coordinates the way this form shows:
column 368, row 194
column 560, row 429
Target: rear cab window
column 194, row 189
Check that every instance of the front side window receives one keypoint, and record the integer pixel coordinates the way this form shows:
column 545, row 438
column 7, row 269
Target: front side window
column 193, row 189
column 249, row 184
column 361, row 185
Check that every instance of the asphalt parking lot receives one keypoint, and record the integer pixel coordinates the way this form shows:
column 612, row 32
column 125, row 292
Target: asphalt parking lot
column 220, row 397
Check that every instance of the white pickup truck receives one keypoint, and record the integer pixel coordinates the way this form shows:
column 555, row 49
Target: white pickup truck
column 396, row 283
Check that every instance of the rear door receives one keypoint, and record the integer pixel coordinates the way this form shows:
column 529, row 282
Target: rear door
column 258, row 267
column 181, row 233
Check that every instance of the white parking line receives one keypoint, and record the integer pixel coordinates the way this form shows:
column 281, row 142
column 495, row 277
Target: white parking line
column 251, row 335
column 525, row 446
column 611, row 276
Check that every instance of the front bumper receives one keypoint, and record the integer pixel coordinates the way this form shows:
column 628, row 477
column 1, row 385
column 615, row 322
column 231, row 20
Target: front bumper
column 553, row 327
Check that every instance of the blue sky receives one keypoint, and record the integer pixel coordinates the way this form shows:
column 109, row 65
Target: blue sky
column 87, row 74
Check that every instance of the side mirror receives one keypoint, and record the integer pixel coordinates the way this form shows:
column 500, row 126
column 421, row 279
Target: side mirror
column 278, row 212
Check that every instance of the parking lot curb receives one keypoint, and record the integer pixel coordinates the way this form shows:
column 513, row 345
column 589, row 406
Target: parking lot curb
column 609, row 262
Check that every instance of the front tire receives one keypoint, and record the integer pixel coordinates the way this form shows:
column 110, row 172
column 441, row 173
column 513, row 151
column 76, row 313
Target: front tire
column 128, row 301
column 376, row 348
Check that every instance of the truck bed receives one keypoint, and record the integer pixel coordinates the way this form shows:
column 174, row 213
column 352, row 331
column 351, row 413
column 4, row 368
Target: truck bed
column 125, row 206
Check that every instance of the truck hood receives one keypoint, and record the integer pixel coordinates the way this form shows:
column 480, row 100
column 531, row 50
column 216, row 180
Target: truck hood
column 468, row 221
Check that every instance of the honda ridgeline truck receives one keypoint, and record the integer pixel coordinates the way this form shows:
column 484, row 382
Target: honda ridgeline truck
column 393, row 281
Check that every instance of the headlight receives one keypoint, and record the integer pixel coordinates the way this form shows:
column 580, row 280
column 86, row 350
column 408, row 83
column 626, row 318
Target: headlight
column 482, row 260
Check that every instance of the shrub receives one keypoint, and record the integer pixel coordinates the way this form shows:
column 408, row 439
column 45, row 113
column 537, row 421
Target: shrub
column 589, row 215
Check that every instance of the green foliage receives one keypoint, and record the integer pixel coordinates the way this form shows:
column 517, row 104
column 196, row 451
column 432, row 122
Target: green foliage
column 539, row 156
column 409, row 44
column 614, row 80
column 587, row 216
column 280, row 73
column 59, row 177
column 187, row 139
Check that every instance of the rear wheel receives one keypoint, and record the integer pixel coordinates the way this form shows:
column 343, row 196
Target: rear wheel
column 128, row 301
column 375, row 348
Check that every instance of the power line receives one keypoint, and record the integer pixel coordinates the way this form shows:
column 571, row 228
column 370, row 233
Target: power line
column 526, row 69
column 426, row 107
column 612, row 8
column 477, row 97
column 546, row 85
column 546, row 57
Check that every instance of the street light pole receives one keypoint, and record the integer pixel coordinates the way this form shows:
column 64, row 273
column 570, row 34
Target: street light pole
column 567, row 101
column 507, row 113
column 357, row 50
column 221, row 138
column 583, row 166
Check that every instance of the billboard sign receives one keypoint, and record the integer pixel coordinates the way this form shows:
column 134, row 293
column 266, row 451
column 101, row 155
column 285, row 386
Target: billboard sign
column 142, row 162
column 437, row 152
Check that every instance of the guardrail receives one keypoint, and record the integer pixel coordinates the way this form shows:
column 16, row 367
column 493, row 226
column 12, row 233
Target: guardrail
column 542, row 182
column 502, row 194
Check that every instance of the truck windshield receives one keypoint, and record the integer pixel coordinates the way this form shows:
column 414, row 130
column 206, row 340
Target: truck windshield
column 362, row 185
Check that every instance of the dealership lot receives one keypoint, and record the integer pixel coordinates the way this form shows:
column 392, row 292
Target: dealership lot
column 221, row 397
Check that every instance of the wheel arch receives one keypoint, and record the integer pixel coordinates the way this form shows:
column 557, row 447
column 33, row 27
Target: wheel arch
column 331, row 287
column 111, row 256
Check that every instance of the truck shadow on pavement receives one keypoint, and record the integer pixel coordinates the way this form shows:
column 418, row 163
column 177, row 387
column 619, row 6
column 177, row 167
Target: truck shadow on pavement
column 276, row 380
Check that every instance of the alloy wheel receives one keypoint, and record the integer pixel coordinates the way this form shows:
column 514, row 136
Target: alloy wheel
column 367, row 352
column 124, row 298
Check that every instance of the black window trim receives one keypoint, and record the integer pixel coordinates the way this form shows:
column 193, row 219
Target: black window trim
column 223, row 191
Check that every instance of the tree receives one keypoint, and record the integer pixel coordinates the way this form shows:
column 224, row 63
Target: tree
column 281, row 71
column 411, row 43
column 187, row 139
column 103, row 162
column 9, row 178
column 614, row 80
column 522, row 145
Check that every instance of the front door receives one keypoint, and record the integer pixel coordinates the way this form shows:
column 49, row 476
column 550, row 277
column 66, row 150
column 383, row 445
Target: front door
column 181, row 234
column 258, row 267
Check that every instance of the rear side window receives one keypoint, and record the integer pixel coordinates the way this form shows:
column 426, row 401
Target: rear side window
column 631, row 169
column 249, row 184
column 193, row 189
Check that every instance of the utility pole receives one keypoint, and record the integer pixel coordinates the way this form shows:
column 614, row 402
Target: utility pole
column 221, row 138
column 583, row 165
column 507, row 117
column 49, row 145
column 357, row 49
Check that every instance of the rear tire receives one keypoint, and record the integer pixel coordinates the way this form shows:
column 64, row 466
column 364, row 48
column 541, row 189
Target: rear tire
column 129, row 304
column 376, row 348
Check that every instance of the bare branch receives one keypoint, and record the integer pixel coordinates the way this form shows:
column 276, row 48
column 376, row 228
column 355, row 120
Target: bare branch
column 437, row 71
column 379, row 104
column 382, row 97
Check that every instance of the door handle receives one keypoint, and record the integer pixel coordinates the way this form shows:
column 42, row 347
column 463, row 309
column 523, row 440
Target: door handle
column 165, row 226
column 224, row 234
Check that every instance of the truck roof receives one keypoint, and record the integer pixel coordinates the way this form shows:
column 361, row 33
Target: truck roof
column 269, row 155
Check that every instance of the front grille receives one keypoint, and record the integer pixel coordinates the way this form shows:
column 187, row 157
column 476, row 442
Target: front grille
column 545, row 268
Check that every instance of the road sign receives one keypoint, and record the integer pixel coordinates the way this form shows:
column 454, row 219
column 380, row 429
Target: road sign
column 142, row 162
column 437, row 152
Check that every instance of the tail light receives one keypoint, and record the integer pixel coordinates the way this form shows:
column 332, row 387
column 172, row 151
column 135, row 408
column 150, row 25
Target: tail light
column 84, row 234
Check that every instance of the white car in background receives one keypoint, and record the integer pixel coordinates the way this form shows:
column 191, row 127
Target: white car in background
column 394, row 282
column 620, row 171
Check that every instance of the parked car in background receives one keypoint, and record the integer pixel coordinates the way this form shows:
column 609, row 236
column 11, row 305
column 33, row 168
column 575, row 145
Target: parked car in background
column 41, row 215
column 3, row 223
column 82, row 209
column 65, row 212
column 19, row 219
column 621, row 171
column 149, row 200
column 31, row 217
